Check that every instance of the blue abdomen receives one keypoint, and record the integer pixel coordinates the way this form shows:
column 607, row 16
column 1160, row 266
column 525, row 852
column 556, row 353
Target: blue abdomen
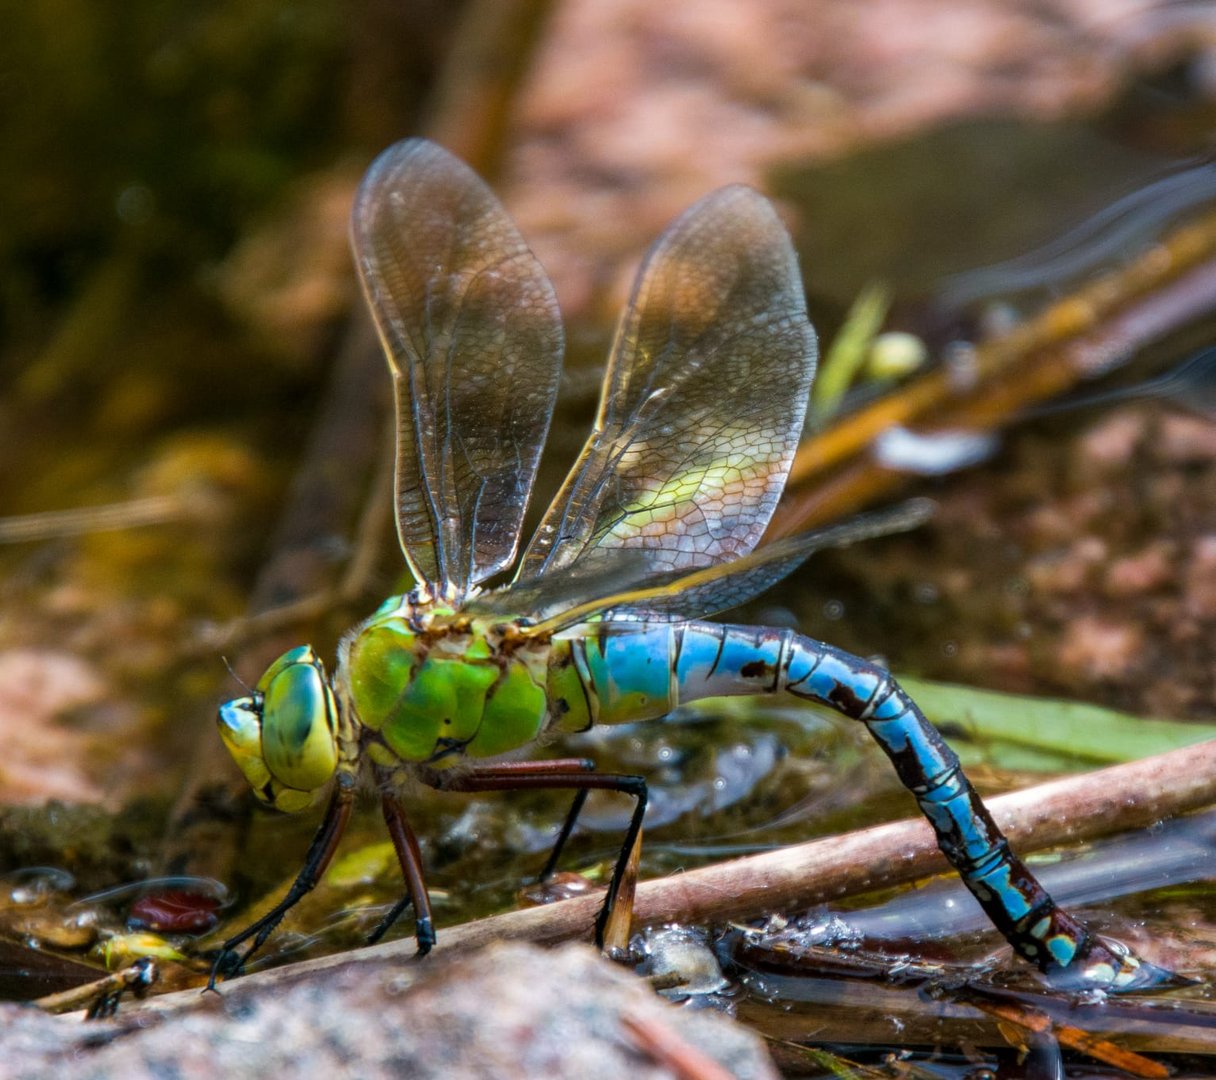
column 627, row 671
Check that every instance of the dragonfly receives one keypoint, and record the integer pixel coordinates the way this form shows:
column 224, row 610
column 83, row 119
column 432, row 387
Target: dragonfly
column 655, row 528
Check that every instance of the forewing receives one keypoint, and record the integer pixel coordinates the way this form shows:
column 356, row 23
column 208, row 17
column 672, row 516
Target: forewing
column 681, row 594
column 703, row 399
column 471, row 329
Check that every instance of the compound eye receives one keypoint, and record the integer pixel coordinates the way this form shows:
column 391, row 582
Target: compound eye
column 299, row 722
column 240, row 723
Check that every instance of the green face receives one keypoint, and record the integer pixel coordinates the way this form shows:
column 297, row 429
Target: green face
column 284, row 735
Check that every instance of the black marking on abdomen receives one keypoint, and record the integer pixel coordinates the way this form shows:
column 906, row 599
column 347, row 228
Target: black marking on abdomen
column 846, row 701
column 718, row 655
column 583, row 687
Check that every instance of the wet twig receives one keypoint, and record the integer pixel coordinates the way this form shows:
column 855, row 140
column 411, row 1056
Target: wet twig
column 1017, row 1016
column 100, row 999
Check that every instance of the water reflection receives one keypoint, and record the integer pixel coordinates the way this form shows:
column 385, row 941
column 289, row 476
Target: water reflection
column 1190, row 385
column 1126, row 225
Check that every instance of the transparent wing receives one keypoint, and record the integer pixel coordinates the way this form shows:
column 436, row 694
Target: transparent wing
column 727, row 585
column 605, row 589
column 703, row 399
column 580, row 584
column 473, row 337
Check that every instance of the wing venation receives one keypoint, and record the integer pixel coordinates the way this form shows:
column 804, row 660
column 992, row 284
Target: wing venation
column 472, row 332
column 703, row 399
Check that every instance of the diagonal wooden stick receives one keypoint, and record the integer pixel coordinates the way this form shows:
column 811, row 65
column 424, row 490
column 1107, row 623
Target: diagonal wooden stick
column 1077, row 808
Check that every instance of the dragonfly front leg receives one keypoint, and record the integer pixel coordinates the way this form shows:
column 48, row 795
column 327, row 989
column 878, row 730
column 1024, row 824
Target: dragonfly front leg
column 574, row 774
column 320, row 855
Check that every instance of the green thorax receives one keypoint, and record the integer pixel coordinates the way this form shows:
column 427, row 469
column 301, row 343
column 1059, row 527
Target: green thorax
column 431, row 686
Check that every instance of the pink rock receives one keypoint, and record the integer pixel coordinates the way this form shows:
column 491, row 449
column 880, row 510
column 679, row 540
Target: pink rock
column 1186, row 439
column 1148, row 569
column 1109, row 445
column 1100, row 649
column 1200, row 588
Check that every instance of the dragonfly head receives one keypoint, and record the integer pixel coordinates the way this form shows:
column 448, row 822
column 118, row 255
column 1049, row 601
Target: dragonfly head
column 284, row 735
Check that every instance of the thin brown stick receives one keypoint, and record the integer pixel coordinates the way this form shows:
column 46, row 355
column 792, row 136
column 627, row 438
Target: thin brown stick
column 662, row 1044
column 1076, row 808
column 492, row 53
column 1019, row 1016
column 84, row 520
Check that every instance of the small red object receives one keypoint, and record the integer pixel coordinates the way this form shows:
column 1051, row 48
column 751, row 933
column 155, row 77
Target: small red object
column 174, row 912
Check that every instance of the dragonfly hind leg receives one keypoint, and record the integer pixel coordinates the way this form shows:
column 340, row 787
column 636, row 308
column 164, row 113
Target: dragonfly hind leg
column 611, row 924
column 1024, row 912
column 564, row 833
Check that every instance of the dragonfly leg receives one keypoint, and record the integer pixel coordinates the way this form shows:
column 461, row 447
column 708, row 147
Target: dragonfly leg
column 1024, row 912
column 576, row 808
column 573, row 774
column 320, row 854
column 410, row 858
column 561, row 765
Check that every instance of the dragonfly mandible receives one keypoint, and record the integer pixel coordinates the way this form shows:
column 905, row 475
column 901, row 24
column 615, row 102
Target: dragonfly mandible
column 654, row 529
